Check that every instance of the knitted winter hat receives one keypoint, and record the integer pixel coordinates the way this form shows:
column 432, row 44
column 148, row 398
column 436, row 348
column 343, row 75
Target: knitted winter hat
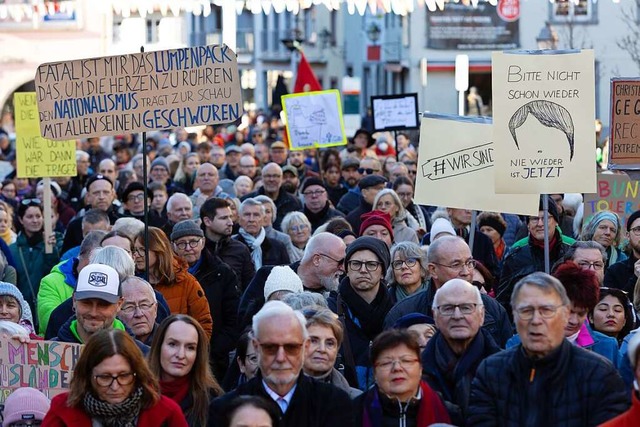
column 553, row 208
column 311, row 181
column 25, row 404
column 282, row 278
column 12, row 290
column 376, row 217
column 632, row 218
column 372, row 244
column 160, row 161
column 441, row 225
column 188, row 227
column 492, row 222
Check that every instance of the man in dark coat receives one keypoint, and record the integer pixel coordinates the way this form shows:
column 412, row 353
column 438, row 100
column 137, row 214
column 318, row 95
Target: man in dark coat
column 362, row 302
column 281, row 341
column 545, row 380
column 369, row 186
column 218, row 226
column 316, row 203
column 449, row 258
column 453, row 354
column 220, row 285
column 264, row 250
column 624, row 274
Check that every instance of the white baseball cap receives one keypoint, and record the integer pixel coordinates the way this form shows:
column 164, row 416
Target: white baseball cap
column 98, row 281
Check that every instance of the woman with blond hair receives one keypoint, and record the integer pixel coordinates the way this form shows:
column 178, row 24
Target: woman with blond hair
column 388, row 201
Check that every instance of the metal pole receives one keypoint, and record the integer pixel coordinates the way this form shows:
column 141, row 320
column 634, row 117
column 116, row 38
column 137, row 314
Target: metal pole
column 472, row 231
column 545, row 208
column 145, row 182
column 395, row 140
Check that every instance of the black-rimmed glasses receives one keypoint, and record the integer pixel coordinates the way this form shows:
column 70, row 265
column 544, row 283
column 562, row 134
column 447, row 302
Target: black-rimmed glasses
column 105, row 380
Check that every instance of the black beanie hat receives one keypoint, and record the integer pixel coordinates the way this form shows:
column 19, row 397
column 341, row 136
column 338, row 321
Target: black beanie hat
column 372, row 244
column 553, row 208
column 632, row 218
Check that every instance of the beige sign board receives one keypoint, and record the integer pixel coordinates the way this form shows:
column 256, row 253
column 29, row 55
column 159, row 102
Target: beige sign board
column 138, row 92
column 456, row 167
column 543, row 122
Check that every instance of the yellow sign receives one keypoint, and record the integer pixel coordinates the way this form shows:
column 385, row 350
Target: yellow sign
column 37, row 157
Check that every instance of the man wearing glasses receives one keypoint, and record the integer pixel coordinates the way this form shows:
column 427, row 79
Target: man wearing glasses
column 316, row 203
column 221, row 288
column 362, row 302
column 281, row 339
column 545, row 380
column 527, row 255
column 139, row 310
column 352, row 175
column 133, row 204
column 624, row 274
column 449, row 258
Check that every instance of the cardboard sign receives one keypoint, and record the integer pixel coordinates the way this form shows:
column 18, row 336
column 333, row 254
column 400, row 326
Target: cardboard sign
column 459, row 174
column 314, row 119
column 141, row 92
column 624, row 137
column 45, row 365
column 395, row 112
column 616, row 192
column 543, row 122
column 36, row 156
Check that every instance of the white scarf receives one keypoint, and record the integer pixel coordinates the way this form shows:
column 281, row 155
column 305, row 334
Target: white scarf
column 254, row 243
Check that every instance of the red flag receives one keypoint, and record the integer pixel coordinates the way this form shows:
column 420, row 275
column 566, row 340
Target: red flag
column 306, row 81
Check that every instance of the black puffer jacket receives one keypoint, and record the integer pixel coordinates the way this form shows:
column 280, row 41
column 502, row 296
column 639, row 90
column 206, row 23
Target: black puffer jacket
column 236, row 255
column 570, row 387
column 496, row 321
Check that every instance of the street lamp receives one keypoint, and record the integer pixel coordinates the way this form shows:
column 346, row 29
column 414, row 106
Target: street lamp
column 547, row 38
column 373, row 32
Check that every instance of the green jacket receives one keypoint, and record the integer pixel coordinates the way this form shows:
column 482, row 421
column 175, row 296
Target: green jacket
column 32, row 265
column 525, row 240
column 55, row 288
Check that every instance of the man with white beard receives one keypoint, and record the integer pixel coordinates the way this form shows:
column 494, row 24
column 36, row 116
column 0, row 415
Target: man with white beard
column 320, row 270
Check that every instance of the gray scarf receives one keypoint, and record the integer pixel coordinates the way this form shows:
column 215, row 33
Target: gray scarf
column 254, row 243
column 123, row 414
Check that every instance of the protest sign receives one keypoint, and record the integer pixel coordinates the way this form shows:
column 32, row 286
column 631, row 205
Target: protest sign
column 459, row 174
column 139, row 92
column 616, row 192
column 45, row 365
column 543, row 122
column 314, row 119
column 624, row 138
column 36, row 156
column 395, row 112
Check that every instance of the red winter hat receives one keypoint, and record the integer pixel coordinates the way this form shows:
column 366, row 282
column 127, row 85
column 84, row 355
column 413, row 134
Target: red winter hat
column 376, row 218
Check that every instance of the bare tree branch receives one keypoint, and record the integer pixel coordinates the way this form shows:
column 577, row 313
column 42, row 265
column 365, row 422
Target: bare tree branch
column 630, row 43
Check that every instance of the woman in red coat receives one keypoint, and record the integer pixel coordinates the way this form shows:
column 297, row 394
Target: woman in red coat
column 113, row 387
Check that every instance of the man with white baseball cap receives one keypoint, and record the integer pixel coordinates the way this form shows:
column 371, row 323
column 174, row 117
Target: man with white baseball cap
column 96, row 302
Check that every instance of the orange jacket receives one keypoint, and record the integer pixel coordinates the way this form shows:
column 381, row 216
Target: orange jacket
column 185, row 296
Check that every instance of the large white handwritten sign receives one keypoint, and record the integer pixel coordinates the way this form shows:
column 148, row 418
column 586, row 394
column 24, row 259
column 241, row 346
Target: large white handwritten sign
column 543, row 122
column 459, row 174
column 395, row 112
column 138, row 92
column 314, row 119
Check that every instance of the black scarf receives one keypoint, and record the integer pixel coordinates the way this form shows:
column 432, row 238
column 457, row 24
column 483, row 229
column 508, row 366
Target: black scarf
column 123, row 414
column 371, row 316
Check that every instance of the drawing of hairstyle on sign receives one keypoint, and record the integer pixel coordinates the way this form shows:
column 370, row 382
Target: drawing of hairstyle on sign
column 314, row 119
column 395, row 112
column 45, row 365
column 459, row 174
column 139, row 92
column 543, row 121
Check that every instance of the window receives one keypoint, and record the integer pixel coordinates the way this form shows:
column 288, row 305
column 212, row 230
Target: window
column 582, row 11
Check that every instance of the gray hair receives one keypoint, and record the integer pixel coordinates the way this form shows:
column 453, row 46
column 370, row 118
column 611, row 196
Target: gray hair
column 293, row 218
column 408, row 250
column 452, row 284
column 542, row 281
column 117, row 258
column 306, row 299
column 584, row 244
column 318, row 241
column 250, row 202
column 402, row 212
column 176, row 196
column 129, row 226
column 433, row 255
column 80, row 155
column 91, row 241
column 266, row 199
column 274, row 309
column 135, row 279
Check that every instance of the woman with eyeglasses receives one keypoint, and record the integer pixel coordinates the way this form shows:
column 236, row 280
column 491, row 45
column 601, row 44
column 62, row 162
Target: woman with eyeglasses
column 298, row 227
column 387, row 201
column 613, row 315
column 32, row 263
column 113, row 387
column 399, row 396
column 169, row 275
column 246, row 366
column 179, row 358
column 408, row 273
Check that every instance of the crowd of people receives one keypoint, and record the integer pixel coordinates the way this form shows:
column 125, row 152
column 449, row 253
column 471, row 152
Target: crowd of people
column 277, row 287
